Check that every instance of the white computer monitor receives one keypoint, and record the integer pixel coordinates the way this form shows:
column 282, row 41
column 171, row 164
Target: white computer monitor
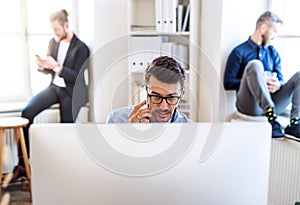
column 150, row 164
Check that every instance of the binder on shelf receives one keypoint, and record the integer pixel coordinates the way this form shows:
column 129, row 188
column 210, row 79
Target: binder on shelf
column 165, row 15
column 166, row 48
column 142, row 50
column 171, row 15
column 181, row 54
column 179, row 17
column 177, row 51
column 159, row 15
column 185, row 25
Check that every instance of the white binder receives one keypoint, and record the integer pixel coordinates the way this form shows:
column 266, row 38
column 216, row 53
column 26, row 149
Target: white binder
column 142, row 51
column 179, row 17
column 159, row 15
column 177, row 51
column 171, row 15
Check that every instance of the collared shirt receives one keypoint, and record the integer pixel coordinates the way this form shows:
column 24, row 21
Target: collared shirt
column 244, row 53
column 121, row 116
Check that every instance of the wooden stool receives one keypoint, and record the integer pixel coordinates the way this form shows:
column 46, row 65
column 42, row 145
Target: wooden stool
column 16, row 123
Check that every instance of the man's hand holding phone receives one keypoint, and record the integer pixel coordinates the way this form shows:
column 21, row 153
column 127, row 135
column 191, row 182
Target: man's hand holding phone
column 47, row 62
column 40, row 63
column 139, row 114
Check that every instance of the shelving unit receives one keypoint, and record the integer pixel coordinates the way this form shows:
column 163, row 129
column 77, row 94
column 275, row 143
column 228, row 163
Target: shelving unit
column 147, row 41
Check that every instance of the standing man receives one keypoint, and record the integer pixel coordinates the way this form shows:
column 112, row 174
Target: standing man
column 164, row 83
column 66, row 61
column 257, row 94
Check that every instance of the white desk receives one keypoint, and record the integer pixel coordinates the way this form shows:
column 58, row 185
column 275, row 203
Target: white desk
column 199, row 163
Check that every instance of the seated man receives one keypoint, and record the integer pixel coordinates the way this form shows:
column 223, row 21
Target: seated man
column 256, row 94
column 164, row 83
column 65, row 60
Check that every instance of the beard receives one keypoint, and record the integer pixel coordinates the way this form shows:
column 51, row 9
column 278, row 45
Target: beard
column 265, row 41
column 159, row 115
column 63, row 37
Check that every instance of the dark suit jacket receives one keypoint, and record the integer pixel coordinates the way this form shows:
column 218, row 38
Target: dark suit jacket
column 76, row 62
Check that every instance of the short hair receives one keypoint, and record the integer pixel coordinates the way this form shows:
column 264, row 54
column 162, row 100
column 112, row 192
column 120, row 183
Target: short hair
column 61, row 16
column 165, row 69
column 268, row 17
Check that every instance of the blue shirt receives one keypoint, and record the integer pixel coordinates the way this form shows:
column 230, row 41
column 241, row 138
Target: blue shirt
column 244, row 53
column 121, row 116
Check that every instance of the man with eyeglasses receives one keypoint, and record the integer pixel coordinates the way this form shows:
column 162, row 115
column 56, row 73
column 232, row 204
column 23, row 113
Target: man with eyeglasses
column 164, row 80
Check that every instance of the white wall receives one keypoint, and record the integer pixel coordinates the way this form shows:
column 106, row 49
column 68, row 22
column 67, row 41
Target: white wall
column 211, row 16
column 85, row 21
column 109, row 60
column 224, row 24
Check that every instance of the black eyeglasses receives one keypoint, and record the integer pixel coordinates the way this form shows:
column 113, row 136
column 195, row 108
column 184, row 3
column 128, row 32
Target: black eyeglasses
column 157, row 99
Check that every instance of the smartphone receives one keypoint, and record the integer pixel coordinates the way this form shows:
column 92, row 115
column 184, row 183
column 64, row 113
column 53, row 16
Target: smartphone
column 147, row 103
column 148, row 106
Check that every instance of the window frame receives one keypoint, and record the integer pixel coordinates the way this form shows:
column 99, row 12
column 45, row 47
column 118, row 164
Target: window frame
column 13, row 104
column 286, row 38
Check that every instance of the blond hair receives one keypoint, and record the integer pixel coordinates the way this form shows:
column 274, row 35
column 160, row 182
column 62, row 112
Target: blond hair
column 61, row 16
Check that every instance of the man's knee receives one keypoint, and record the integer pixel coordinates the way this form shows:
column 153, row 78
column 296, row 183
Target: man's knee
column 27, row 113
column 255, row 65
column 297, row 74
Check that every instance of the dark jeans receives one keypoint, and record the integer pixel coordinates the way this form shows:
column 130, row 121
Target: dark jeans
column 253, row 97
column 45, row 99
